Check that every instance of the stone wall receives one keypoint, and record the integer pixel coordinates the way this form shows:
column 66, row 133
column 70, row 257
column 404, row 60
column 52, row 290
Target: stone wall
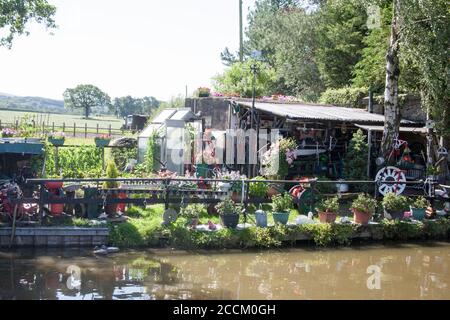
column 215, row 111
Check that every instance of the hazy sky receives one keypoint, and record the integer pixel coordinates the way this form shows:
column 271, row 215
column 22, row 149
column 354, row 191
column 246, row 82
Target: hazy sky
column 132, row 47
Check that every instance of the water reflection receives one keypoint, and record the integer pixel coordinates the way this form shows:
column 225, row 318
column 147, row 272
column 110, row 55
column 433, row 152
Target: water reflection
column 406, row 272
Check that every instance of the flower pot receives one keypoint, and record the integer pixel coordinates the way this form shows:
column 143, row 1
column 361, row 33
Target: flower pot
column 418, row 213
column 281, row 217
column 230, row 220
column 395, row 215
column 101, row 143
column 327, row 217
column 261, row 218
column 56, row 142
column 361, row 217
column 122, row 206
column 111, row 208
column 272, row 192
column 236, row 197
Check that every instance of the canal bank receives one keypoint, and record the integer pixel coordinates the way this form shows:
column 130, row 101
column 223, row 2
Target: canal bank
column 135, row 233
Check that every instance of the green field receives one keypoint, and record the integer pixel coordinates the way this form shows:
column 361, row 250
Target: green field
column 10, row 116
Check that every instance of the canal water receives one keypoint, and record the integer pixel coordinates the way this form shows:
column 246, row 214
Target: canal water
column 407, row 271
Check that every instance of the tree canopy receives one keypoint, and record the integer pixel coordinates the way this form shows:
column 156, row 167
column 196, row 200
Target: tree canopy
column 86, row 97
column 16, row 14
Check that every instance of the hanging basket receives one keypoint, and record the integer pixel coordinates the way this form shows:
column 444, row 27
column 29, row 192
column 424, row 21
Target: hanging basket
column 101, row 142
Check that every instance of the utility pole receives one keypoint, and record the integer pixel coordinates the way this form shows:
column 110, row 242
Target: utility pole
column 241, row 34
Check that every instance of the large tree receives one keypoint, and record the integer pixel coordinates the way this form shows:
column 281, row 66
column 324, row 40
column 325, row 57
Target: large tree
column 16, row 14
column 124, row 106
column 86, row 97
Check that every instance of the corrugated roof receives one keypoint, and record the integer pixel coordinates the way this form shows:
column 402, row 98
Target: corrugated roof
column 402, row 129
column 302, row 111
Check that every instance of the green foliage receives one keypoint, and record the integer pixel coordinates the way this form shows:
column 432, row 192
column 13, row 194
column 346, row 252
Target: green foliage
column 128, row 105
column 282, row 202
column 152, row 153
column 393, row 202
column 86, row 97
column 15, row 16
column 258, row 189
column 420, row 203
column 227, row 206
column 364, row 203
column 346, row 97
column 325, row 188
column 121, row 156
column 192, row 211
column 325, row 234
column 238, row 79
column 401, row 230
column 136, row 233
column 439, row 229
column 355, row 162
column 329, row 205
column 111, row 173
column 341, row 27
column 76, row 162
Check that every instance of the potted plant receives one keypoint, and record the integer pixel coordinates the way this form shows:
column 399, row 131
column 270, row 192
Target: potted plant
column 258, row 189
column 102, row 140
column 192, row 212
column 203, row 92
column 56, row 138
column 111, row 173
column 281, row 205
column 229, row 212
column 328, row 209
column 418, row 208
column 363, row 208
column 8, row 133
column 394, row 205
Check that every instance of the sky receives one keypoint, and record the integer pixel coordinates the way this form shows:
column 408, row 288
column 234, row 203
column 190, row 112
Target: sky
column 133, row 47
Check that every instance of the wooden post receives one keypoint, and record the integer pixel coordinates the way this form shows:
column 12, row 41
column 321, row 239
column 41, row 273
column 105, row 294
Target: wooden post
column 64, row 127
column 97, row 127
column 53, row 127
column 74, row 129
column 109, row 129
column 85, row 130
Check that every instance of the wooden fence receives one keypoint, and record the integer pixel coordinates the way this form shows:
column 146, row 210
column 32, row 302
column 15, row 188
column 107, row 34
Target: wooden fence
column 73, row 129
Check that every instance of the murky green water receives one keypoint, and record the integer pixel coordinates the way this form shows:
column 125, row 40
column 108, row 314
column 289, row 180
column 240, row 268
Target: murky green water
column 372, row 272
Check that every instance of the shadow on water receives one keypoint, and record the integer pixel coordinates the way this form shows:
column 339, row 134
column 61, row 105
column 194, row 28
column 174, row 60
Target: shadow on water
column 404, row 271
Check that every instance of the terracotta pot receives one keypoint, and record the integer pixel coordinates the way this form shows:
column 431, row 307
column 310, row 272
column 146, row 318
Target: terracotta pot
column 236, row 196
column 54, row 185
column 272, row 192
column 122, row 206
column 327, row 217
column 361, row 217
column 111, row 209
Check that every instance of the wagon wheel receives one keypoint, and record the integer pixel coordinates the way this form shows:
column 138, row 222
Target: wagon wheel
column 391, row 174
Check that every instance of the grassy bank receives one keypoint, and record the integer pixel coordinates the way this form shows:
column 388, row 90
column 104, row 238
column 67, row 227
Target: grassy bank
column 144, row 229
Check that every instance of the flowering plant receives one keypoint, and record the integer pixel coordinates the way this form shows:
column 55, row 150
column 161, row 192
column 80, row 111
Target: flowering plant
column 279, row 158
column 8, row 132
column 236, row 179
column 104, row 136
column 57, row 135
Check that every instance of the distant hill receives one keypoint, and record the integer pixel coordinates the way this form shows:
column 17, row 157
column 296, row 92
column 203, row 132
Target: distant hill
column 36, row 104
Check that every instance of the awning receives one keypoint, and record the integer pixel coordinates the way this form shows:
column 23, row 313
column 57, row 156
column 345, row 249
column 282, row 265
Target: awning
column 419, row 130
column 20, row 146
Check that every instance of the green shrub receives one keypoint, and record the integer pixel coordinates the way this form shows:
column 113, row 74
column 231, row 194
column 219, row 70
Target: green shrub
column 282, row 202
column 393, row 202
column 111, row 173
column 258, row 189
column 350, row 97
column 227, row 206
column 329, row 205
column 420, row 203
column 355, row 162
column 364, row 203
column 192, row 211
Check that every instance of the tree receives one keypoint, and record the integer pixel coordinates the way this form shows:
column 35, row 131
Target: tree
column 238, row 79
column 128, row 105
column 355, row 164
column 16, row 14
column 86, row 97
